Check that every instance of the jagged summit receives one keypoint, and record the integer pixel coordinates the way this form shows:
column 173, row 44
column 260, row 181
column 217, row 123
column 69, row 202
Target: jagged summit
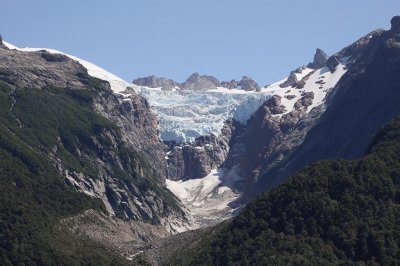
column 200, row 82
column 197, row 82
column 395, row 24
column 320, row 59
column 248, row 84
column 156, row 82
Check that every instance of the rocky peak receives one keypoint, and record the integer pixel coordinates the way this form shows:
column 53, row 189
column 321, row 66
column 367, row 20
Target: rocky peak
column 291, row 80
column 320, row 59
column 156, row 82
column 198, row 82
column 193, row 78
column 248, row 84
column 333, row 62
column 395, row 22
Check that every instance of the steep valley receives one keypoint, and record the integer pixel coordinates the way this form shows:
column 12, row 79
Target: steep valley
column 122, row 173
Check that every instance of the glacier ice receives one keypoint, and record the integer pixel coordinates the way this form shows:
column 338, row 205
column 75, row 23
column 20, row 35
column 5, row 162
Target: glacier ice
column 185, row 115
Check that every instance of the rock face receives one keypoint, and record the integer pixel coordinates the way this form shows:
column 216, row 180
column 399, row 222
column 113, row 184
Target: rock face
column 305, row 101
column 332, row 63
column 197, row 82
column 395, row 23
column 269, row 139
column 291, row 80
column 320, row 59
column 364, row 100
column 248, row 84
column 128, row 156
column 156, row 82
column 197, row 159
column 233, row 84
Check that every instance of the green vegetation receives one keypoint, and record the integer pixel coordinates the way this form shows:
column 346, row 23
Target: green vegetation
column 33, row 195
column 333, row 212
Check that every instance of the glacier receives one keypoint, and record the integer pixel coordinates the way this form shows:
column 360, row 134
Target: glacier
column 185, row 115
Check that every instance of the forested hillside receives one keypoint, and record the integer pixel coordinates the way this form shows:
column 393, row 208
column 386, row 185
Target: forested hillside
column 332, row 212
column 33, row 195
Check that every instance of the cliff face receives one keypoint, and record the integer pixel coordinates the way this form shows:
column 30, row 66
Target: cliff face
column 104, row 145
column 197, row 159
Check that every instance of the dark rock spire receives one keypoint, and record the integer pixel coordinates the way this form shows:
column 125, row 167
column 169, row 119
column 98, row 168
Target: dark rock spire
column 395, row 24
column 320, row 59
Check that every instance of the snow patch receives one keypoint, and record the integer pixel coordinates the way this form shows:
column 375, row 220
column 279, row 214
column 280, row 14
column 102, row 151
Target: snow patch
column 208, row 199
column 320, row 81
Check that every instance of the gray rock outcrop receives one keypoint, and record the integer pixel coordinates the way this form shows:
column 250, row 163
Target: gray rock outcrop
column 197, row 159
column 201, row 83
column 156, row 82
column 248, row 84
column 332, row 63
column 291, row 80
column 305, row 101
column 395, row 24
column 320, row 59
column 233, row 84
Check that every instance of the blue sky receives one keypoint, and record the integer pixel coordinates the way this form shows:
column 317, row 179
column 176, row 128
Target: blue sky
column 225, row 38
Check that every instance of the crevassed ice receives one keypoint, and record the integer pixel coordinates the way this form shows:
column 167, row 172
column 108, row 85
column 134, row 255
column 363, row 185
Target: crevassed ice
column 186, row 115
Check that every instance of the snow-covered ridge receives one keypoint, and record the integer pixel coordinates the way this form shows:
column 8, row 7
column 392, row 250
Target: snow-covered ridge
column 319, row 82
column 117, row 84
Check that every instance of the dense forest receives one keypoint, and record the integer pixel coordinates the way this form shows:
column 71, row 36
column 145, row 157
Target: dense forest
column 333, row 212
